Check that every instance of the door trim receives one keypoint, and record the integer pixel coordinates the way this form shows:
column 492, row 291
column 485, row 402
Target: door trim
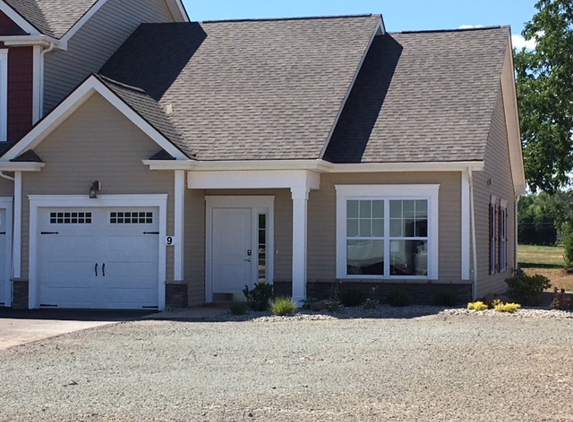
column 6, row 204
column 256, row 204
column 76, row 201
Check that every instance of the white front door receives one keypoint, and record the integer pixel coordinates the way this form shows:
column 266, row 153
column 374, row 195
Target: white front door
column 98, row 258
column 232, row 250
column 4, row 279
column 239, row 244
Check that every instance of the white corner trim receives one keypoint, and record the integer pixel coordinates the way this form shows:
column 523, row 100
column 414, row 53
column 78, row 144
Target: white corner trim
column 81, row 22
column 253, row 179
column 54, row 201
column 90, row 87
column 177, row 10
column 3, row 95
column 179, row 226
column 388, row 192
column 466, row 226
column 18, row 19
column 17, row 239
column 6, row 204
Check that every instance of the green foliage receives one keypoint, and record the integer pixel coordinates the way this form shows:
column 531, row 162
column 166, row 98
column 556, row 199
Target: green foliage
column 333, row 305
column 562, row 301
column 544, row 79
column 477, row 306
column 568, row 251
column 527, row 289
column 511, row 308
column 259, row 297
column 238, row 308
column 370, row 304
column 398, row 298
column 283, row 306
column 445, row 297
column 352, row 297
column 308, row 302
column 537, row 219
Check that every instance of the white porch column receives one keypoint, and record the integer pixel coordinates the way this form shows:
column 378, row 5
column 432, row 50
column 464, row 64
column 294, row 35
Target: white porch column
column 299, row 242
column 179, row 226
column 17, row 233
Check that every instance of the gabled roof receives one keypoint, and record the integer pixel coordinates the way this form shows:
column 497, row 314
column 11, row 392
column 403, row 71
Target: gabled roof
column 423, row 97
column 51, row 17
column 248, row 90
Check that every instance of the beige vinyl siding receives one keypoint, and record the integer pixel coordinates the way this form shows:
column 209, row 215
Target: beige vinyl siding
column 496, row 180
column 95, row 43
column 96, row 142
column 195, row 245
column 322, row 220
column 7, row 186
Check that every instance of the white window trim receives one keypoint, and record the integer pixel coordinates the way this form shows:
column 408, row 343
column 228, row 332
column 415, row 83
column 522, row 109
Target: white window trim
column 6, row 204
column 3, row 95
column 503, row 239
column 429, row 192
column 68, row 201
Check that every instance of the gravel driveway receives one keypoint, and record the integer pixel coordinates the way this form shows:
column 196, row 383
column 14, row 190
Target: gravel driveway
column 434, row 368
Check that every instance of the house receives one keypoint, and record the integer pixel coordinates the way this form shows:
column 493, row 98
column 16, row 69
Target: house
column 192, row 159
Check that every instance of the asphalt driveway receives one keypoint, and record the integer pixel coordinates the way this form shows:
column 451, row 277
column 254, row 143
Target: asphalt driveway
column 21, row 327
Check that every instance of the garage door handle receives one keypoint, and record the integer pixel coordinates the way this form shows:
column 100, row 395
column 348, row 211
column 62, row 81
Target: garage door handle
column 103, row 270
column 96, row 269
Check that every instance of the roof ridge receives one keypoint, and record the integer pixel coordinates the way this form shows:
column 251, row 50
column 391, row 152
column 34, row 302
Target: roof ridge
column 366, row 15
column 426, row 31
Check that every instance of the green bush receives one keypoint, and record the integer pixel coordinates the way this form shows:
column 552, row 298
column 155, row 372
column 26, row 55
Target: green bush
column 259, row 297
column 446, row 297
column 568, row 251
column 351, row 297
column 333, row 305
column 283, row 306
column 238, row 308
column 370, row 304
column 527, row 289
column 398, row 298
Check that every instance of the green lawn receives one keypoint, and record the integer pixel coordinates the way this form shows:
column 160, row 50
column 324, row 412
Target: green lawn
column 540, row 256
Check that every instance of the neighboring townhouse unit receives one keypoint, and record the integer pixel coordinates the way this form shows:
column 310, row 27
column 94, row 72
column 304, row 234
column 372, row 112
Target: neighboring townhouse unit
column 203, row 157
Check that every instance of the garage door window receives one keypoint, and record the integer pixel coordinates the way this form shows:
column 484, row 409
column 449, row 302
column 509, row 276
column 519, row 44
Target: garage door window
column 131, row 217
column 70, row 218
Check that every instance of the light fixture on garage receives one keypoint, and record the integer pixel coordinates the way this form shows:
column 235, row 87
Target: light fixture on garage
column 94, row 189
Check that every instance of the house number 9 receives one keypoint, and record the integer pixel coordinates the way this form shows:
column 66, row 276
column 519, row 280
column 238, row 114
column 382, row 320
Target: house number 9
column 170, row 240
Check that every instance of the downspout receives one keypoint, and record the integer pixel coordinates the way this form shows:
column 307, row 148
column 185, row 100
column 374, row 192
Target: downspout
column 473, row 234
column 4, row 176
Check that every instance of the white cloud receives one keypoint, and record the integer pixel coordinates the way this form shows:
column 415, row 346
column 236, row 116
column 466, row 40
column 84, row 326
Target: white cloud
column 519, row 42
column 470, row 26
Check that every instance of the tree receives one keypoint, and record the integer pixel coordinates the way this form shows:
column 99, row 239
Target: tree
column 537, row 219
column 544, row 79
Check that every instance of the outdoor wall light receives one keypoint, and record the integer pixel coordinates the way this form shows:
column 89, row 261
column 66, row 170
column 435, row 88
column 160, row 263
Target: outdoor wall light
column 94, row 189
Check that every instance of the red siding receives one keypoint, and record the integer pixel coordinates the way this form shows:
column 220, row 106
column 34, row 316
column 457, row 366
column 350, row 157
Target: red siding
column 20, row 91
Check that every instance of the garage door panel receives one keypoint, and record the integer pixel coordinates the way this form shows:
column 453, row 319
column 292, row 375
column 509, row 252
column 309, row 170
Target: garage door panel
column 136, row 248
column 67, row 297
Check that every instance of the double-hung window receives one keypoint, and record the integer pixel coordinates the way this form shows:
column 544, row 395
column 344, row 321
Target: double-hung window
column 3, row 94
column 387, row 231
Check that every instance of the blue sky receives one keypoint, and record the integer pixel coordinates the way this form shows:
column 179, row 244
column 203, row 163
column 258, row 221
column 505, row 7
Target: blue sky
column 398, row 15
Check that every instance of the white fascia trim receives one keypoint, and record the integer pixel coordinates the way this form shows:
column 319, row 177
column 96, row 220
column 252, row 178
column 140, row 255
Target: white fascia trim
column 177, row 10
column 406, row 167
column 29, row 40
column 6, row 204
column 378, row 30
column 388, row 192
column 18, row 19
column 293, row 179
column 91, row 86
column 10, row 166
column 509, row 94
column 3, row 95
column 55, row 201
column 78, row 25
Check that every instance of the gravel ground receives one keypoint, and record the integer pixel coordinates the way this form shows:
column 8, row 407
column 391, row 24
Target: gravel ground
column 413, row 364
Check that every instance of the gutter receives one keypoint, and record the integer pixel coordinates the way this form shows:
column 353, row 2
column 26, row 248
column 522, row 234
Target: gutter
column 473, row 235
column 29, row 41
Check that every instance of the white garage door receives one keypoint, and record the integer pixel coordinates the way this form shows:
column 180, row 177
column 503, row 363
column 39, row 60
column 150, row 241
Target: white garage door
column 98, row 258
column 4, row 282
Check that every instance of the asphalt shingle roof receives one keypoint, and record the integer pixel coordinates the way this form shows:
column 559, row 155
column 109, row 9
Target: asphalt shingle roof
column 248, row 90
column 52, row 17
column 422, row 97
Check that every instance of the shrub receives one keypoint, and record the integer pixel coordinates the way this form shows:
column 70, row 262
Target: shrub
column 259, row 297
column 398, row 297
column 527, row 289
column 283, row 306
column 370, row 304
column 333, row 305
column 238, row 308
column 446, row 297
column 308, row 302
column 477, row 306
column 562, row 301
column 499, row 306
column 352, row 297
column 568, row 251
